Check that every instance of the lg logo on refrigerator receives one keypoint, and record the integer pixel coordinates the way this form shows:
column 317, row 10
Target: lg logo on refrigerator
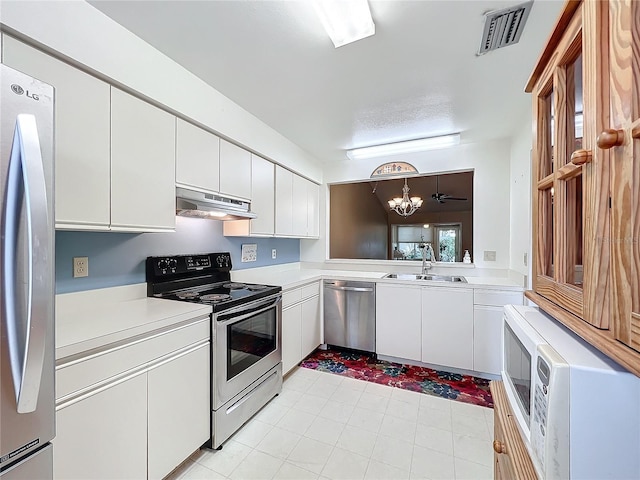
column 18, row 90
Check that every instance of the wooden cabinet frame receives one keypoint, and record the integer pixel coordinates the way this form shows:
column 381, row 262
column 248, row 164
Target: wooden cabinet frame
column 606, row 311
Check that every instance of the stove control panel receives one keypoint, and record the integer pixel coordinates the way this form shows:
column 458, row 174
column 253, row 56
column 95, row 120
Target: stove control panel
column 182, row 266
column 199, row 262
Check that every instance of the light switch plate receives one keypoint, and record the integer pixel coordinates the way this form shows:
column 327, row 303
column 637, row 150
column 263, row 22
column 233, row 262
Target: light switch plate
column 249, row 252
column 489, row 255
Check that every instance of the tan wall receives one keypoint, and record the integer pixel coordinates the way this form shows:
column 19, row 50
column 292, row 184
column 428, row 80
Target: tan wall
column 358, row 224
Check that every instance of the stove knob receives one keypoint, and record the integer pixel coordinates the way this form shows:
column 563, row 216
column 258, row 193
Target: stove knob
column 162, row 264
column 172, row 263
column 220, row 261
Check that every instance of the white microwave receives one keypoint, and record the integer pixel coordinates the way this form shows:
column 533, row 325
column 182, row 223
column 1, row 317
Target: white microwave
column 578, row 411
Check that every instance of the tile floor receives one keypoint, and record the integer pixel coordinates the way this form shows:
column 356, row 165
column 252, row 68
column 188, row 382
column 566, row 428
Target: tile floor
column 327, row 427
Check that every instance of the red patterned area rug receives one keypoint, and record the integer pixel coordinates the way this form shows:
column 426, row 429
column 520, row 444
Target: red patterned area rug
column 463, row 388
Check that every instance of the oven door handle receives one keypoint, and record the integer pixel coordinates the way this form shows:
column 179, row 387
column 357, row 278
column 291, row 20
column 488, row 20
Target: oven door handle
column 229, row 317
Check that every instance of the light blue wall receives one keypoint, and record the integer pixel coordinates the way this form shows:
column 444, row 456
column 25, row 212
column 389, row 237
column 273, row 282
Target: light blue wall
column 118, row 258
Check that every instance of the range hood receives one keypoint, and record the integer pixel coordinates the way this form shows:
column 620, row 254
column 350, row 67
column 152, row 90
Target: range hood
column 192, row 203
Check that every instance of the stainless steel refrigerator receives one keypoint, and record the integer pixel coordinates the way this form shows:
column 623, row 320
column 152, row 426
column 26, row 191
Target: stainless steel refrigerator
column 27, row 402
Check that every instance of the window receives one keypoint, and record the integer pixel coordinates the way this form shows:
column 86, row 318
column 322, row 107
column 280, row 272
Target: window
column 447, row 246
column 444, row 238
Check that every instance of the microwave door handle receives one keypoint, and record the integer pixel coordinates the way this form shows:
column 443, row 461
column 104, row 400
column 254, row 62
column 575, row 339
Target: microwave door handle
column 26, row 179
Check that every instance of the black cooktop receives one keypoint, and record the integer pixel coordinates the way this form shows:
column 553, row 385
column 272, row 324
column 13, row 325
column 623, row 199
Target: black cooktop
column 202, row 278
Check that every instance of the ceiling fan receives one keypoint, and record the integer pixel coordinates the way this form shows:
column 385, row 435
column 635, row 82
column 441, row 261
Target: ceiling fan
column 441, row 197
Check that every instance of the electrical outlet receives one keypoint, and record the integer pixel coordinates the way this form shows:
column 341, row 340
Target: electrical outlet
column 273, row 253
column 489, row 255
column 525, row 259
column 80, row 267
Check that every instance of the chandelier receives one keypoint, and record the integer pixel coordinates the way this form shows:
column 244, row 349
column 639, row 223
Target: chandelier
column 405, row 206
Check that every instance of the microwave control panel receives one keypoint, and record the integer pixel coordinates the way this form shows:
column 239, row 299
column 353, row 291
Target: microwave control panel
column 540, row 409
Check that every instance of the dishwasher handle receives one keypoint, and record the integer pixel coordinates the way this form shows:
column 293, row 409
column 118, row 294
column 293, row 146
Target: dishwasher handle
column 348, row 289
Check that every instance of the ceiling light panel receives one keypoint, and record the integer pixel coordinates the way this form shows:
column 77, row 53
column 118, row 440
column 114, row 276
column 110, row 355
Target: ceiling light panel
column 345, row 20
column 409, row 146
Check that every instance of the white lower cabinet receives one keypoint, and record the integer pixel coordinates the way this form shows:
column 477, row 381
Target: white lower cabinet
column 291, row 336
column 487, row 339
column 487, row 327
column 447, row 327
column 178, row 392
column 311, row 325
column 450, row 327
column 301, row 324
column 134, row 410
column 399, row 321
column 104, row 436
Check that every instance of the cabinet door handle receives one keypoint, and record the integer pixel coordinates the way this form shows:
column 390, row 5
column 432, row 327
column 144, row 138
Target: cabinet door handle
column 499, row 447
column 610, row 138
column 580, row 157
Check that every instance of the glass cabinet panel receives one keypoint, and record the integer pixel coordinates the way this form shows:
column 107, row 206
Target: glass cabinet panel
column 559, row 216
column 573, row 236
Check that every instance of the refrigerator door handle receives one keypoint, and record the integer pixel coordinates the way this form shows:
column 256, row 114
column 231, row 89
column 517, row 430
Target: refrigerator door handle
column 26, row 179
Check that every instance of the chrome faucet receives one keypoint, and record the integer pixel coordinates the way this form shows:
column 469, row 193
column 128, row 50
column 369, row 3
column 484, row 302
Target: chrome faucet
column 432, row 257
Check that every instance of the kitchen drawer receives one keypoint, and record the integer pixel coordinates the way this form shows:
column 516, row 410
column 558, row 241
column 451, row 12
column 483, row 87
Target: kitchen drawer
column 80, row 373
column 497, row 298
column 311, row 290
column 291, row 296
column 298, row 294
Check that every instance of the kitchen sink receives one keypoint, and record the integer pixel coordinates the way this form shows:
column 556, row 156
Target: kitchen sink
column 433, row 278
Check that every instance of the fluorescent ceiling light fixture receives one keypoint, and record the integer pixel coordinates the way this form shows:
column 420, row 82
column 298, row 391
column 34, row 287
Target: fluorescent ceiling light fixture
column 345, row 20
column 409, row 146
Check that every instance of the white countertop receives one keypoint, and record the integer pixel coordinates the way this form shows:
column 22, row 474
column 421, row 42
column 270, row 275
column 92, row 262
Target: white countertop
column 91, row 319
column 82, row 329
column 294, row 277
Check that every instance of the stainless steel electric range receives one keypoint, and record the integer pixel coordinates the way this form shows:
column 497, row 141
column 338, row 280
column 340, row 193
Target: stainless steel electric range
column 246, row 355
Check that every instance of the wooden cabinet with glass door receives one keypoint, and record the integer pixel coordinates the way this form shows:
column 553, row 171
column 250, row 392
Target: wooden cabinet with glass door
column 586, row 193
column 622, row 140
column 570, row 201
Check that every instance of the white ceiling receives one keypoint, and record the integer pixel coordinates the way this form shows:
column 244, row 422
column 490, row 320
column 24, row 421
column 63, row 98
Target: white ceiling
column 418, row 76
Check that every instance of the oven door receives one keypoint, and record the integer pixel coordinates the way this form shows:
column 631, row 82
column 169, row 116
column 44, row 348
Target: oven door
column 247, row 345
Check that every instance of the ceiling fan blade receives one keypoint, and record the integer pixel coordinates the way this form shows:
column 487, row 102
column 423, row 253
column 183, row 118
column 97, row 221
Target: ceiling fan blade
column 454, row 198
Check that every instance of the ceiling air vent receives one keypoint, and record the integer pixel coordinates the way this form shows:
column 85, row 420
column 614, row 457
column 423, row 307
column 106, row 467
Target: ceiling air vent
column 503, row 27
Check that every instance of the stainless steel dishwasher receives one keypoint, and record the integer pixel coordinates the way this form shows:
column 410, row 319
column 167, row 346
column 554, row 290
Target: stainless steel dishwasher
column 350, row 314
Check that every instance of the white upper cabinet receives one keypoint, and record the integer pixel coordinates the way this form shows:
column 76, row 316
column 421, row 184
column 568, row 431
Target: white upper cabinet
column 284, row 206
column 313, row 212
column 262, row 203
column 197, row 157
column 235, row 170
column 82, row 162
column 142, row 165
column 262, row 196
column 299, row 202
